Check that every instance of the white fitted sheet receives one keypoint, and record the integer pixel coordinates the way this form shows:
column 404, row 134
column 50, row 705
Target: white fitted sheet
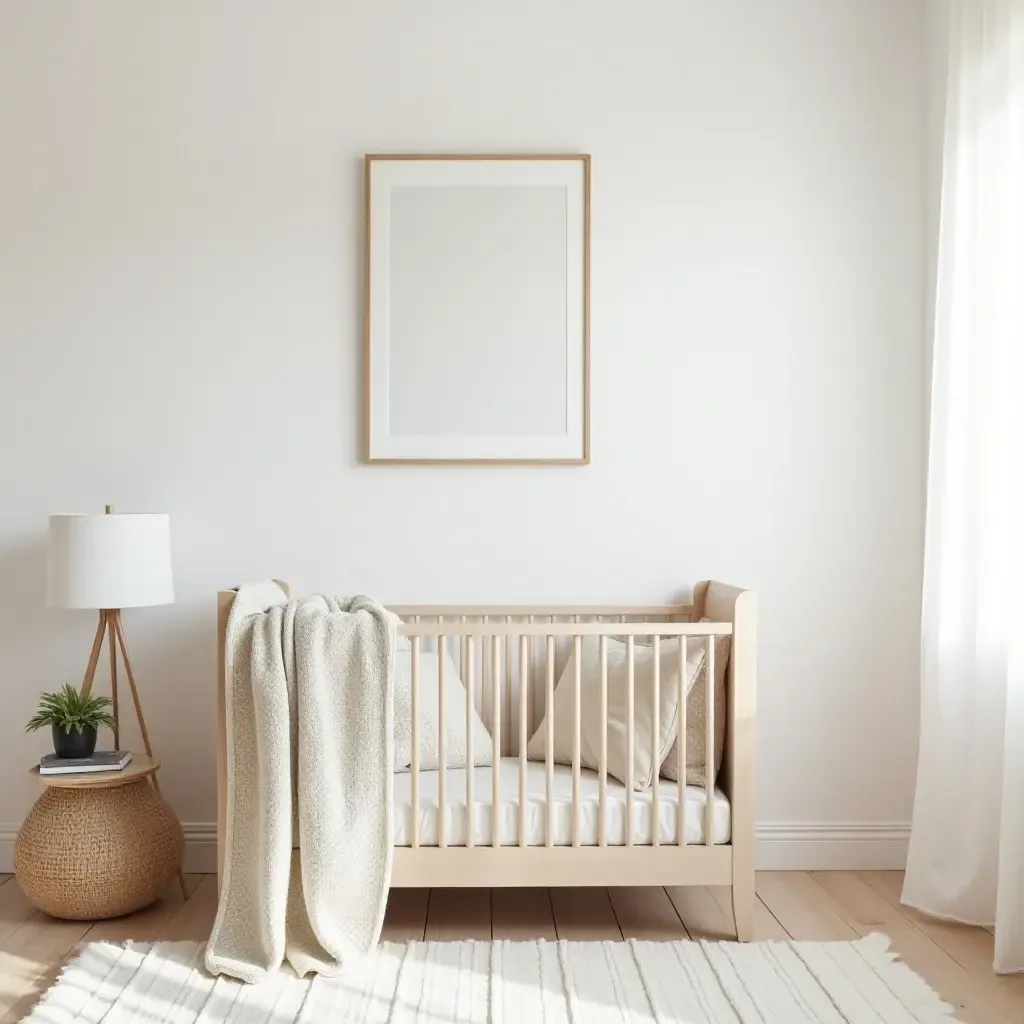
column 536, row 817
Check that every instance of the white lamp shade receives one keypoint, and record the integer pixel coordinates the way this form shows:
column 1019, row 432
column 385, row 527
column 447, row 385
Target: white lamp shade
column 109, row 561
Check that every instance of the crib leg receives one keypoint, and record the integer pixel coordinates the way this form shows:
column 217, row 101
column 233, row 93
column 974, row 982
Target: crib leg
column 743, row 897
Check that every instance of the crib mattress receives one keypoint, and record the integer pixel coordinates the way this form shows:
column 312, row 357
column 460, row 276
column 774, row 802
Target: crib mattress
column 536, row 815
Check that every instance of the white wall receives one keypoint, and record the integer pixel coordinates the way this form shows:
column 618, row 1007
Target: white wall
column 180, row 322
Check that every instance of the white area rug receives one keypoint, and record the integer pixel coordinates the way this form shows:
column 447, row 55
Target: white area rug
column 496, row 982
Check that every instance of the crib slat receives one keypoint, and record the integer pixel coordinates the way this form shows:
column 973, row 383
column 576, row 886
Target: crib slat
column 523, row 792
column 576, row 679
column 415, row 742
column 656, row 745
column 470, row 683
column 496, row 744
column 531, row 697
column 602, row 807
column 709, row 749
column 485, row 673
column 630, row 698
column 442, row 748
column 681, row 747
column 549, row 743
column 462, row 666
column 507, row 690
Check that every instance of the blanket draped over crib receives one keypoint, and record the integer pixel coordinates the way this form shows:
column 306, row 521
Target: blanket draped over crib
column 308, row 708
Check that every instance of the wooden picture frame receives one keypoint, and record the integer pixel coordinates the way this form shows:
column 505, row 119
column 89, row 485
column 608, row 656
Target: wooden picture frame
column 477, row 322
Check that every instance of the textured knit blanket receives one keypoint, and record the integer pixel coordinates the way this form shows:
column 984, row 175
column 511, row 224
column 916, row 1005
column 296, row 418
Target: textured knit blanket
column 308, row 709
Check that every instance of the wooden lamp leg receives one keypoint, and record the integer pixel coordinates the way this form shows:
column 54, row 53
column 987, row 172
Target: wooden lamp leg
column 113, row 680
column 116, row 626
column 94, row 655
column 131, row 682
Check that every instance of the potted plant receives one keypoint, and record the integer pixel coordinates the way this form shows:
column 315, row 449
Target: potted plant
column 73, row 720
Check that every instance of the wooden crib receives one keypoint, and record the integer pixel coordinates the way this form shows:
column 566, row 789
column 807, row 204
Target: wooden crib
column 508, row 659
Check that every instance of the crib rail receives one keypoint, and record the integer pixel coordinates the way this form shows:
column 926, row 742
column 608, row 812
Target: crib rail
column 625, row 628
column 522, row 654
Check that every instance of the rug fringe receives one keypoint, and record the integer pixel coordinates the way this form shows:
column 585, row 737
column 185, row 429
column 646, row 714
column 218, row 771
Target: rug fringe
column 908, row 986
column 83, row 951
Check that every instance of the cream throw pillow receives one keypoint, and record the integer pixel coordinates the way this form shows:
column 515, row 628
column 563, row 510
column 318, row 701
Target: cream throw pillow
column 454, row 714
column 696, row 716
column 647, row 757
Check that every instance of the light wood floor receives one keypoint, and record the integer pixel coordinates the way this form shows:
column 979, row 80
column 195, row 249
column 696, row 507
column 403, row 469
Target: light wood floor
column 956, row 960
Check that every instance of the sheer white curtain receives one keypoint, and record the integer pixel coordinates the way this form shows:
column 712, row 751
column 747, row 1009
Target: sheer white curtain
column 966, row 858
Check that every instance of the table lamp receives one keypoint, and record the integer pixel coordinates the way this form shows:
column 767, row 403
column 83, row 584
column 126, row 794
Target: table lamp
column 107, row 563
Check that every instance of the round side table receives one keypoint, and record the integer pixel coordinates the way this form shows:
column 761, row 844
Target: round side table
column 98, row 845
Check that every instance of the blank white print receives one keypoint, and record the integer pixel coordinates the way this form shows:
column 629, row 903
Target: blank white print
column 476, row 335
column 479, row 274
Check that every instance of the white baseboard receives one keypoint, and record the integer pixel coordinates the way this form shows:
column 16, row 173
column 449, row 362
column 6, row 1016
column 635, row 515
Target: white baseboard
column 861, row 846
column 201, row 847
column 865, row 846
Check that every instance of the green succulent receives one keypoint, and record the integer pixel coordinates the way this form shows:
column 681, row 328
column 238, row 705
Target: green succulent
column 69, row 710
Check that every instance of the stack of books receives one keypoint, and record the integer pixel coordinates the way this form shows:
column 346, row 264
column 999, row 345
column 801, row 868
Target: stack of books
column 101, row 761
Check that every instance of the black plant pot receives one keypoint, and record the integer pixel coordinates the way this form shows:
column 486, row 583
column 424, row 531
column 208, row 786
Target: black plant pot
column 77, row 743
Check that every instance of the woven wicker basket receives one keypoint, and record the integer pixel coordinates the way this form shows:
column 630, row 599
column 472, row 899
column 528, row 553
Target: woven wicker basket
column 86, row 853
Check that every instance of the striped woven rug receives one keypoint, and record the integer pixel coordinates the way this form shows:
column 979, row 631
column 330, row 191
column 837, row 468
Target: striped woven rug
column 494, row 982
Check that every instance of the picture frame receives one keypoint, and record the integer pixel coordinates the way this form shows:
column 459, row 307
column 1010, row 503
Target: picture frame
column 477, row 321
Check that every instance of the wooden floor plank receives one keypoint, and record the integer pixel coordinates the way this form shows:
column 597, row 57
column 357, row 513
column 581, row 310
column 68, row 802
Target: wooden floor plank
column 766, row 926
column 584, row 915
column 801, row 906
column 646, row 912
column 30, row 959
column 702, row 915
column 707, row 914
column 866, row 911
column 454, row 914
column 31, row 956
column 150, row 923
column 522, row 914
column 15, row 908
column 972, row 948
column 194, row 918
column 19, row 995
column 406, row 916
column 26, row 973
column 43, row 939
